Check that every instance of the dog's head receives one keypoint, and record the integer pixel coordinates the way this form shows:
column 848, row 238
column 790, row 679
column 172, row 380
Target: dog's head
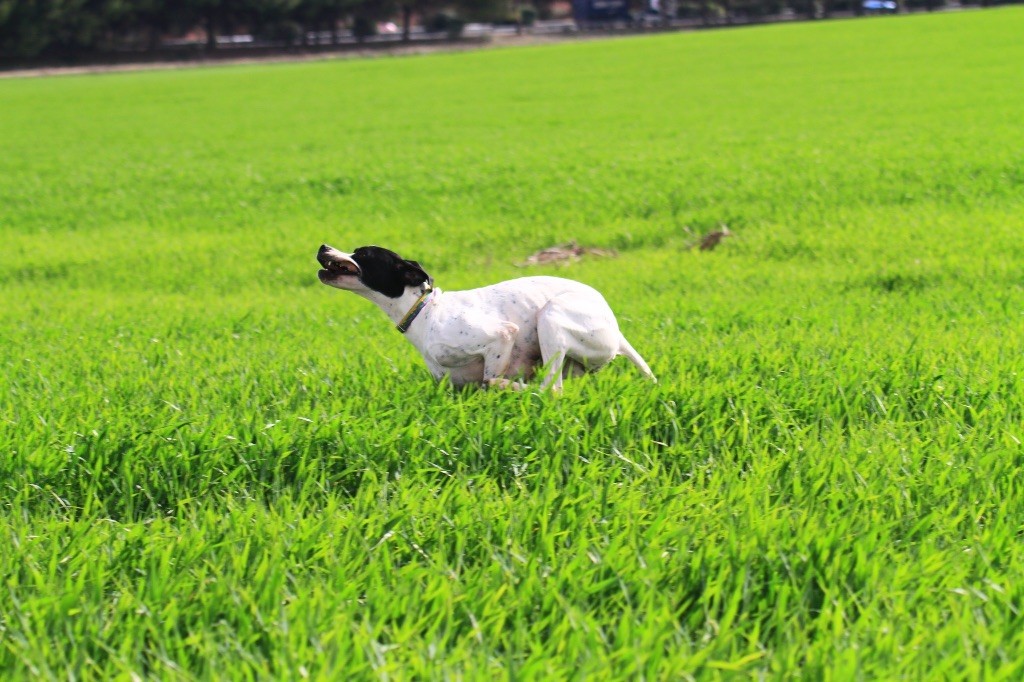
column 370, row 268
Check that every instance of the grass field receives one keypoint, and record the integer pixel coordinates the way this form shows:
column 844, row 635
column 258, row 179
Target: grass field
column 213, row 467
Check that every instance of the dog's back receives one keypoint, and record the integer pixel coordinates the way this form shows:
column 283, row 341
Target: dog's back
column 519, row 300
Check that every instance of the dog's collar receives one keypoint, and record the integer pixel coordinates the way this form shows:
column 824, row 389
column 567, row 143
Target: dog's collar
column 403, row 325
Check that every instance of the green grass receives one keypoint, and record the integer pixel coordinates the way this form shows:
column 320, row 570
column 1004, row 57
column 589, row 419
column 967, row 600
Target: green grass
column 215, row 468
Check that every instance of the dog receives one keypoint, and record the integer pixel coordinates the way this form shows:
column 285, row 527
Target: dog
column 495, row 336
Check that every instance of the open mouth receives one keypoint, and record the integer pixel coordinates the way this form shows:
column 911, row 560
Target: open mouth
column 334, row 267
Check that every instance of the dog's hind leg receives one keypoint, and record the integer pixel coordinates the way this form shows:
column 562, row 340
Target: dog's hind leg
column 553, row 340
column 575, row 334
column 553, row 379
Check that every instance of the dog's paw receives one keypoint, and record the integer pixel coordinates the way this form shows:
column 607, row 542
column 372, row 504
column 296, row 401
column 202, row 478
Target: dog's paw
column 506, row 384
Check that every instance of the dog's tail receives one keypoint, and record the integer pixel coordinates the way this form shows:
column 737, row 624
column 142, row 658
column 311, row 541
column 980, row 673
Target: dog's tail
column 634, row 357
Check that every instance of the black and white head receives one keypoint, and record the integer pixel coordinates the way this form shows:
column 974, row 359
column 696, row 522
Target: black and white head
column 371, row 269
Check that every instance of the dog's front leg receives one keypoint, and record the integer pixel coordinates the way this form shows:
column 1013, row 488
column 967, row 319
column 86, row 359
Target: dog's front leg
column 460, row 351
column 498, row 356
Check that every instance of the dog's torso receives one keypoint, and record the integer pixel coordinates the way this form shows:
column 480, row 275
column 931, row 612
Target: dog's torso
column 456, row 327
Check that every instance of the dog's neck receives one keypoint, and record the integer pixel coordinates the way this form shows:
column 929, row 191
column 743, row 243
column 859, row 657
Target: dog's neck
column 397, row 308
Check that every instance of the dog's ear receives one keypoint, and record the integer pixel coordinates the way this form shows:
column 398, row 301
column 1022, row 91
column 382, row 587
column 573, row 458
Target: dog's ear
column 415, row 275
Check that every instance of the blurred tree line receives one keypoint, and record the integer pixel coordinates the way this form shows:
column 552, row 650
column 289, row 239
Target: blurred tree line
column 72, row 28
column 717, row 12
column 66, row 28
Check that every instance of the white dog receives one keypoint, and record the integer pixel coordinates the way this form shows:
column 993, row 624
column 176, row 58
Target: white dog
column 492, row 335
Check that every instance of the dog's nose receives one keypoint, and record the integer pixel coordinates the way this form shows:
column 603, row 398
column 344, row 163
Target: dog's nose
column 323, row 249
